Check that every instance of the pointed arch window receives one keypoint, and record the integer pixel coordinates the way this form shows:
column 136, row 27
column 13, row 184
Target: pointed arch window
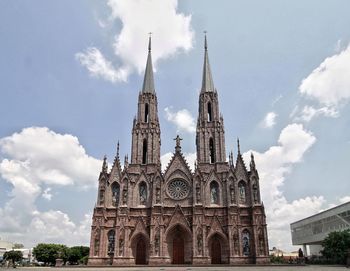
column 146, row 119
column 210, row 112
column 143, row 193
column 211, row 150
column 242, row 192
column 115, row 194
column 214, row 192
column 246, row 242
column 144, row 152
column 111, row 241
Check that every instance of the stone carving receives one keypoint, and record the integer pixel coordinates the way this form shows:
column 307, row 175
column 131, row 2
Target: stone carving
column 255, row 192
column 156, row 244
column 200, row 243
column 121, row 246
column 242, row 192
column 125, row 195
column 232, row 193
column 198, row 192
column 158, row 192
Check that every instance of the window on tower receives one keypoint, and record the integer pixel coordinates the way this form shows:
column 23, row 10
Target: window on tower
column 146, row 112
column 144, row 152
column 115, row 194
column 111, row 241
column 211, row 151
column 210, row 114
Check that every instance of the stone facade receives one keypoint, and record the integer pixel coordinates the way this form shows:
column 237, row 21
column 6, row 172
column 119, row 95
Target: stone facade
column 210, row 216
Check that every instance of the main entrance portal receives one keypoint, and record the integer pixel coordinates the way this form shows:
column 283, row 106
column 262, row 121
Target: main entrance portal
column 215, row 251
column 141, row 252
column 178, row 250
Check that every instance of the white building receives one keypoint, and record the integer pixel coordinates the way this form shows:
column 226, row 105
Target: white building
column 311, row 231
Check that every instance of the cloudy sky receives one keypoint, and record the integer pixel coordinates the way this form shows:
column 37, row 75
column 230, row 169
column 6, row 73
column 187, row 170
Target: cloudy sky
column 70, row 73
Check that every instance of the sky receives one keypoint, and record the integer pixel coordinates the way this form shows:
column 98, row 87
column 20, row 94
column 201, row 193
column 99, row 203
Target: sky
column 71, row 71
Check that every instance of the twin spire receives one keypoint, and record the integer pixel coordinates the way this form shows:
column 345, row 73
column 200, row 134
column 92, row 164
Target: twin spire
column 148, row 81
column 207, row 80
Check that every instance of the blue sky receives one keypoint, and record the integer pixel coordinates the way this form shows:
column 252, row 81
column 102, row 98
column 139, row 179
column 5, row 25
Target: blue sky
column 70, row 73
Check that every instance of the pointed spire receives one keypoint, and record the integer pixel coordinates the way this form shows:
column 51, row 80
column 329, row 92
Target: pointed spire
column 178, row 143
column 104, row 165
column 148, row 81
column 118, row 150
column 207, row 80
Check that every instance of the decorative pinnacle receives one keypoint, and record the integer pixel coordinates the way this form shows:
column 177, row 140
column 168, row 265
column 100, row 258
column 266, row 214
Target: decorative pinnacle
column 118, row 149
column 205, row 40
column 105, row 165
column 238, row 146
column 149, row 41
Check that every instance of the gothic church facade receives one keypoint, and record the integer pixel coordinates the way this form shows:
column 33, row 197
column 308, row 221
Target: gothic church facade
column 213, row 215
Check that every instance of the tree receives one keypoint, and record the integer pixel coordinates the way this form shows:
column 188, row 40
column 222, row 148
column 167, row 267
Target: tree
column 48, row 253
column 18, row 246
column 336, row 245
column 13, row 256
column 77, row 253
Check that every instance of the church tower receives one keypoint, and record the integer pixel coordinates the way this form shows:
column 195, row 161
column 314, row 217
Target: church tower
column 210, row 138
column 145, row 147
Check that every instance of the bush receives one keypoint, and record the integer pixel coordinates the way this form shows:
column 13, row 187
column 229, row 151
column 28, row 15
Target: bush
column 335, row 247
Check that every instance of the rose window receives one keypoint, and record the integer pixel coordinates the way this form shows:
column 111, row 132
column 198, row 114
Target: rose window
column 178, row 189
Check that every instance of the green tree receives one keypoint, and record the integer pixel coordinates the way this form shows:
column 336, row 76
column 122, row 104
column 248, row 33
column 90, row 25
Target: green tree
column 48, row 253
column 77, row 253
column 13, row 256
column 16, row 246
column 336, row 245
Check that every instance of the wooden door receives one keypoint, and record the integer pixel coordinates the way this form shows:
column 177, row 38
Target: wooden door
column 215, row 251
column 141, row 252
column 178, row 250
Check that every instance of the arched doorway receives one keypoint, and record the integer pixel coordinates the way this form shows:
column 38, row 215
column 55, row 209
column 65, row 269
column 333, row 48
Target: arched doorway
column 179, row 244
column 140, row 251
column 216, row 250
column 178, row 250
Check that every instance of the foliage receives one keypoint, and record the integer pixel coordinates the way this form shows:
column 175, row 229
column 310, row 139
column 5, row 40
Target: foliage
column 13, row 256
column 84, row 260
column 336, row 246
column 277, row 259
column 77, row 253
column 48, row 253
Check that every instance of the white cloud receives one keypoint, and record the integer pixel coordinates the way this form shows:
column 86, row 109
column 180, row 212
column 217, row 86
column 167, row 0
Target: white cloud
column 309, row 112
column 182, row 119
column 46, row 194
column 172, row 34
column 274, row 165
column 329, row 83
column 344, row 199
column 269, row 121
column 31, row 160
column 99, row 66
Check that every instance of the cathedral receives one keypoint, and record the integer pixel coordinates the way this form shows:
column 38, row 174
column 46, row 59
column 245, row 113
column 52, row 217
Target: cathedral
column 212, row 215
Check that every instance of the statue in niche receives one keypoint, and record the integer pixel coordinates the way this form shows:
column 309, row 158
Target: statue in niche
column 242, row 195
column 200, row 243
column 198, row 192
column 232, row 193
column 121, row 246
column 97, row 242
column 143, row 193
column 125, row 195
column 255, row 192
column 158, row 192
column 235, row 241
column 156, row 244
column 214, row 193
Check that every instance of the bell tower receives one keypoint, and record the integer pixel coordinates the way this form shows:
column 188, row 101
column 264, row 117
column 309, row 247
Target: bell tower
column 210, row 137
column 145, row 148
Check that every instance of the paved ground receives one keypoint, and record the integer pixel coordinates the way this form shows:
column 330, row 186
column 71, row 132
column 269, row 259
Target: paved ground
column 190, row 268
